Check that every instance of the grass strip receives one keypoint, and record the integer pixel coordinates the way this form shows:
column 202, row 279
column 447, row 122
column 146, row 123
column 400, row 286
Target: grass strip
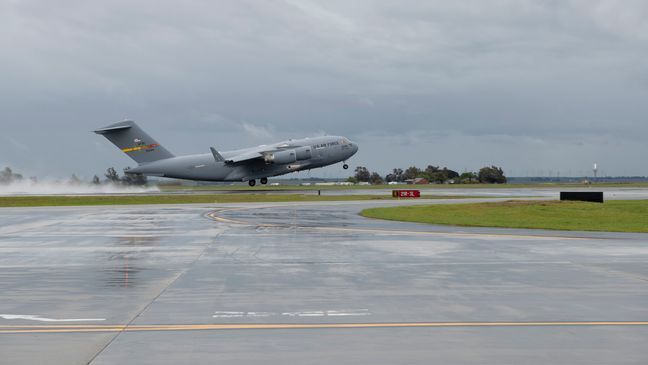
column 40, row 201
column 611, row 216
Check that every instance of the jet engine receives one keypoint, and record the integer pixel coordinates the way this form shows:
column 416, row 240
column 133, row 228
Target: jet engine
column 281, row 157
column 303, row 153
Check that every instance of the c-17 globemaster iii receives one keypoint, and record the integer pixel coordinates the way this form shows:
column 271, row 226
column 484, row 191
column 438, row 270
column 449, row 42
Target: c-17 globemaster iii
column 246, row 164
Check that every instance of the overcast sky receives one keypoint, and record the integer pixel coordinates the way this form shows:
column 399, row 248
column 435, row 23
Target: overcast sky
column 532, row 86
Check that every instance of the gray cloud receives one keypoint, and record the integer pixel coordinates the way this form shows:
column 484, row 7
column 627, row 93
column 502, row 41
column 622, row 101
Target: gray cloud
column 550, row 84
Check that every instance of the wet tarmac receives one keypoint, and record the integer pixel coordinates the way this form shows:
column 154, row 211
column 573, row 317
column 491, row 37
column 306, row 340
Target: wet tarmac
column 311, row 283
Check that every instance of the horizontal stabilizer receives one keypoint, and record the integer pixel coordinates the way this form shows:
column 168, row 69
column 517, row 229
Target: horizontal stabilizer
column 112, row 129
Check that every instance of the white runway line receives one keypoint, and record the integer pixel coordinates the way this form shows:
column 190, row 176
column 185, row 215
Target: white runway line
column 32, row 317
column 316, row 313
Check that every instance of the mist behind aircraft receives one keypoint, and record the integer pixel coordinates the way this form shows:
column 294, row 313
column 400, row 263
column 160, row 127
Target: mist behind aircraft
column 28, row 187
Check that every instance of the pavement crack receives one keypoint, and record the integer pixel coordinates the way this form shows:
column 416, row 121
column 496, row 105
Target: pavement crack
column 148, row 305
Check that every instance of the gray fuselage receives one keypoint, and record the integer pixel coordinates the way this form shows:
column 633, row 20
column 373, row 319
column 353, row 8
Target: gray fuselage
column 291, row 156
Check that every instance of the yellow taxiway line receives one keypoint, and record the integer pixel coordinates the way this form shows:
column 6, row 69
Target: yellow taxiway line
column 290, row 326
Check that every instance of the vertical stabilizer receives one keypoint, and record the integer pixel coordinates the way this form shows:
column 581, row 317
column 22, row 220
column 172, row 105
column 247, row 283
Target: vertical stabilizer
column 133, row 141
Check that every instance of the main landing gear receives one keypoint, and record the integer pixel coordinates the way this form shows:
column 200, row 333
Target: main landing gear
column 263, row 180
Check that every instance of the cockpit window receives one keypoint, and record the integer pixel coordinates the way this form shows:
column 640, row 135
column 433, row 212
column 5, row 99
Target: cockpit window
column 344, row 141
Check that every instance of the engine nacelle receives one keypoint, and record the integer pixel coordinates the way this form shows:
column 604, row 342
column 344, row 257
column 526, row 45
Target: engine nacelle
column 281, row 157
column 303, row 153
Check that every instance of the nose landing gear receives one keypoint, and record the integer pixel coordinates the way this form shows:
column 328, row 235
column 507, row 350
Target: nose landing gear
column 345, row 166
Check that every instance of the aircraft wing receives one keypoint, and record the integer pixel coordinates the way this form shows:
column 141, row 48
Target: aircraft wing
column 258, row 153
column 247, row 156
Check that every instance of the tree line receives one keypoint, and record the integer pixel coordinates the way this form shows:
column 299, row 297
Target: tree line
column 8, row 176
column 433, row 174
column 128, row 179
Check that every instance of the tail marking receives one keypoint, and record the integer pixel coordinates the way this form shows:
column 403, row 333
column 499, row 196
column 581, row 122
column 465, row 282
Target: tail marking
column 148, row 148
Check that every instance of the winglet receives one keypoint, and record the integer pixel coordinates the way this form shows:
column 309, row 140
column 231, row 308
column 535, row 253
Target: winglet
column 217, row 156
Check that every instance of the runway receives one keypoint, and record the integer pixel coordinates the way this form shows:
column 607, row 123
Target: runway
column 311, row 283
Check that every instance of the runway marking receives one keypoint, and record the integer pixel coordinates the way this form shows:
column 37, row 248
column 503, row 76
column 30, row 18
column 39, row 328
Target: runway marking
column 214, row 216
column 314, row 313
column 288, row 326
column 32, row 317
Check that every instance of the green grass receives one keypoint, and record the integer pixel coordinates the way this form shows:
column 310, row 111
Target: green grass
column 36, row 201
column 612, row 216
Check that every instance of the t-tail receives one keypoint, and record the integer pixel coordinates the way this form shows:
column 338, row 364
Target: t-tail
column 133, row 141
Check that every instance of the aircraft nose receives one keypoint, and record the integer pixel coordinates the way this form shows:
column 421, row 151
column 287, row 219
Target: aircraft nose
column 354, row 148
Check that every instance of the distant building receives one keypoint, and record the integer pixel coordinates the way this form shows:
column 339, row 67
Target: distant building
column 417, row 181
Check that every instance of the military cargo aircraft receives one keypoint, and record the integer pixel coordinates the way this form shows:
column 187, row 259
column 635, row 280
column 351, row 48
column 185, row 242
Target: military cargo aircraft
column 246, row 164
